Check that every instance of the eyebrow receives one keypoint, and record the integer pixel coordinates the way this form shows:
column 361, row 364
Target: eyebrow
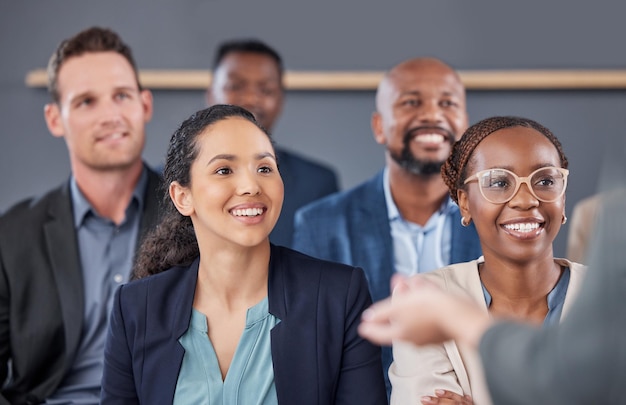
column 90, row 93
column 419, row 93
column 232, row 158
column 535, row 167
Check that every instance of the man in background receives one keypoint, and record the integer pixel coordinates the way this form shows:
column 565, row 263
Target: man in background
column 403, row 219
column 249, row 73
column 63, row 253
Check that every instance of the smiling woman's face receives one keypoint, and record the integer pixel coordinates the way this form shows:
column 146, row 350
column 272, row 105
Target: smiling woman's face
column 236, row 193
column 523, row 228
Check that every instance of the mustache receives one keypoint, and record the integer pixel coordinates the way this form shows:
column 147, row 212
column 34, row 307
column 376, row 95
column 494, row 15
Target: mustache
column 411, row 132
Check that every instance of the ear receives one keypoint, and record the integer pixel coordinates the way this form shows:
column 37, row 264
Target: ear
column 181, row 197
column 52, row 114
column 463, row 204
column 147, row 103
column 377, row 128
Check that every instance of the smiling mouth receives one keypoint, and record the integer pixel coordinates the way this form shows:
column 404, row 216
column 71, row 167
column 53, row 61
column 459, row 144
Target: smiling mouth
column 247, row 212
column 112, row 137
column 430, row 138
column 523, row 227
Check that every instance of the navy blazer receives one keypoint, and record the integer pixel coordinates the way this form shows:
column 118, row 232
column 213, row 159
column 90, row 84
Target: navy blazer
column 41, row 290
column 317, row 354
column 305, row 181
column 352, row 227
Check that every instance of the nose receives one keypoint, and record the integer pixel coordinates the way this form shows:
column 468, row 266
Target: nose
column 247, row 184
column 250, row 97
column 110, row 113
column 523, row 198
column 430, row 112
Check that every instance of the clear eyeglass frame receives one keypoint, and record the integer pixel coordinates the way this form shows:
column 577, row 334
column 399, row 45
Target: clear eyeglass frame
column 518, row 183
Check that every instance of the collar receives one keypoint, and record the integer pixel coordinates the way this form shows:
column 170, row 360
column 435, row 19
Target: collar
column 82, row 207
column 392, row 209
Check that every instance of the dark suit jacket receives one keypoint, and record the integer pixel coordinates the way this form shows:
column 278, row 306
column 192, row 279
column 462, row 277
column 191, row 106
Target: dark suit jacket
column 41, row 291
column 317, row 354
column 305, row 181
column 352, row 227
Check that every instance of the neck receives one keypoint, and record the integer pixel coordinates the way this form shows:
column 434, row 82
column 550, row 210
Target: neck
column 236, row 277
column 109, row 192
column 520, row 290
column 417, row 197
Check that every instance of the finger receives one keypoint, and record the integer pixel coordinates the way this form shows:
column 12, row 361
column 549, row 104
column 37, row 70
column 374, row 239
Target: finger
column 456, row 398
column 429, row 400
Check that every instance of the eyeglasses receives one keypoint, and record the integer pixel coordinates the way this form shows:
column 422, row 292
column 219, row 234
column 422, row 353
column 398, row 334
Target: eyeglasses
column 499, row 186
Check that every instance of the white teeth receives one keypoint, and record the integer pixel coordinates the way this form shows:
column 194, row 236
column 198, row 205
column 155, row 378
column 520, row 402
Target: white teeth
column 430, row 138
column 247, row 212
column 527, row 227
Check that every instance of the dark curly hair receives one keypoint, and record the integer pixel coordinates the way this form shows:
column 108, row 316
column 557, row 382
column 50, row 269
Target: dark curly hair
column 454, row 170
column 173, row 242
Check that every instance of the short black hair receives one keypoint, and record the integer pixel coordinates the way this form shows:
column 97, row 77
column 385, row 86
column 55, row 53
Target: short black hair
column 247, row 46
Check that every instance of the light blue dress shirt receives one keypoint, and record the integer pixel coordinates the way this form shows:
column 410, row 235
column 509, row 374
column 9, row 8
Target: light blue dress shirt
column 250, row 378
column 419, row 249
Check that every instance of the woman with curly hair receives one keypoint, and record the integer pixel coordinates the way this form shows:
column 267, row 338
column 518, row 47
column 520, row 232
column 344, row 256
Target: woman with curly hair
column 508, row 176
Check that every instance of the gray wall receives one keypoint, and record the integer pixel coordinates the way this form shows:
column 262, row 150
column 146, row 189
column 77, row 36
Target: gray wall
column 316, row 35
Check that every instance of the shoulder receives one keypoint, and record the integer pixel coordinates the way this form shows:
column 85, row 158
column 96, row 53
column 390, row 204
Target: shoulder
column 577, row 270
column 34, row 210
column 295, row 265
column 297, row 162
column 455, row 276
column 159, row 287
column 360, row 195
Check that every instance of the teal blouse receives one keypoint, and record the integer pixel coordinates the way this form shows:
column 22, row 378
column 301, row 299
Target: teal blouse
column 250, row 378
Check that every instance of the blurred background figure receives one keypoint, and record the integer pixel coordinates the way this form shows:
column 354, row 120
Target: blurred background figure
column 63, row 253
column 249, row 73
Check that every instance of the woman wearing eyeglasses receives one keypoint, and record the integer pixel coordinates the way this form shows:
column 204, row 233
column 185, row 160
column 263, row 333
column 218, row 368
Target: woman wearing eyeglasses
column 508, row 175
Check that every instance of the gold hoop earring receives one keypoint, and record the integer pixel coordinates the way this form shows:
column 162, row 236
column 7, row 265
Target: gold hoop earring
column 463, row 223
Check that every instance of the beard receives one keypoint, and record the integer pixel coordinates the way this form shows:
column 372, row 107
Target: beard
column 409, row 162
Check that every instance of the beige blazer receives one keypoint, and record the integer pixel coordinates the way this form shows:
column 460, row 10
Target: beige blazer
column 418, row 371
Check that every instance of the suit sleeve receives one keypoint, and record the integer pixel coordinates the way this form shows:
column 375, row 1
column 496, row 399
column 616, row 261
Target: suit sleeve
column 361, row 379
column 118, row 384
column 582, row 360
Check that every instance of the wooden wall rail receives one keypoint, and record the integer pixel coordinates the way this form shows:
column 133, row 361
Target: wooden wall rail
column 364, row 80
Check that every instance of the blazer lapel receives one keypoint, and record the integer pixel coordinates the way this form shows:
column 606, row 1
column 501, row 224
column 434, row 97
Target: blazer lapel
column 372, row 245
column 62, row 247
